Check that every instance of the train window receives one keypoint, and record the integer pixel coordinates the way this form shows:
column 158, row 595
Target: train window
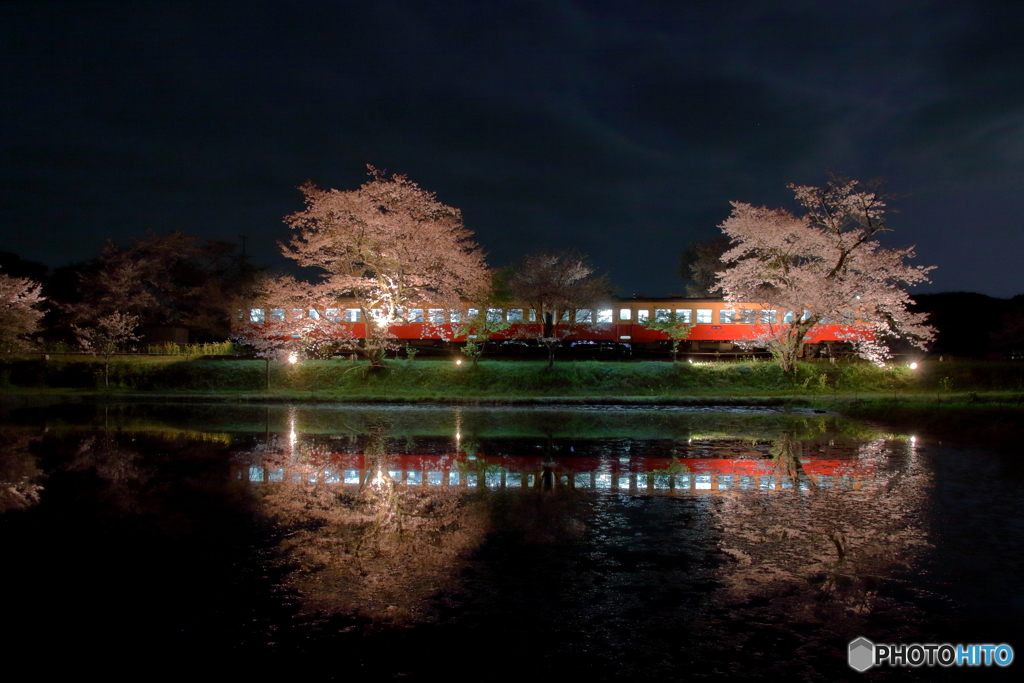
column 565, row 317
column 314, row 314
column 495, row 315
column 685, row 315
column 473, row 313
column 277, row 315
column 415, row 315
column 726, row 317
column 353, row 315
column 298, row 313
column 515, row 315
column 662, row 315
column 436, row 315
column 625, row 313
column 643, row 315
column 584, row 315
column 333, row 314
column 256, row 315
column 806, row 316
column 455, row 316
column 604, row 315
column 704, row 315
column 532, row 316
column 748, row 316
column 768, row 317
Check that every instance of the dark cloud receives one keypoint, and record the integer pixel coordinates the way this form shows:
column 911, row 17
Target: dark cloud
column 619, row 129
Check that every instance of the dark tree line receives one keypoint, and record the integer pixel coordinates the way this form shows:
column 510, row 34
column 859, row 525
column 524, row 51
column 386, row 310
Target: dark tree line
column 162, row 280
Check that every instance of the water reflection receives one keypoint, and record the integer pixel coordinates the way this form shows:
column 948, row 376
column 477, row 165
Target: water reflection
column 605, row 529
column 366, row 535
column 20, row 476
column 379, row 521
column 824, row 549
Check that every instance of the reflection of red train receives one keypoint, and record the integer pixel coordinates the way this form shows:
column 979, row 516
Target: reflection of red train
column 717, row 326
column 637, row 475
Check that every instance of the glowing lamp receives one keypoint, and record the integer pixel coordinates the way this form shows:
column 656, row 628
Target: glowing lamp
column 913, row 366
column 293, row 358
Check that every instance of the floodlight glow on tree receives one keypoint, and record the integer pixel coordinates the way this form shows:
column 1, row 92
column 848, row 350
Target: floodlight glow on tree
column 390, row 245
column 826, row 264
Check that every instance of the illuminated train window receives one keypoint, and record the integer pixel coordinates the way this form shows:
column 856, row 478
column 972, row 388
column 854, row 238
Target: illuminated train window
column 495, row 315
column 333, row 314
column 643, row 315
column 515, row 315
column 584, row 315
column 416, row 315
column 726, row 317
column 704, row 315
column 684, row 315
column 353, row 315
column 256, row 315
column 604, row 315
column 277, row 315
column 625, row 314
column 455, row 316
column 436, row 315
column 769, row 317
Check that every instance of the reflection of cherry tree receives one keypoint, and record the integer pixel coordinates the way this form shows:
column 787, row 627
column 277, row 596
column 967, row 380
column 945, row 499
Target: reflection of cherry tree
column 19, row 472
column 836, row 541
column 380, row 551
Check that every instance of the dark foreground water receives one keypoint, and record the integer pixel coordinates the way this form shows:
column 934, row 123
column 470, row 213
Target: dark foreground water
column 155, row 541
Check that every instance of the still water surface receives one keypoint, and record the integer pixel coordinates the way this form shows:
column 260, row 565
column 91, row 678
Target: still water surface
column 602, row 544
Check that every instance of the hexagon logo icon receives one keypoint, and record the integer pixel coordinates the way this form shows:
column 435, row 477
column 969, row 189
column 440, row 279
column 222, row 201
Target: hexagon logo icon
column 861, row 654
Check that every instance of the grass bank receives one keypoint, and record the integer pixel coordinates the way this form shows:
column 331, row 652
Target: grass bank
column 586, row 381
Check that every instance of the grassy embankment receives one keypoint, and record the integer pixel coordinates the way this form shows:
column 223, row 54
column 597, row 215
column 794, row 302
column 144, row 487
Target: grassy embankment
column 509, row 380
column 953, row 400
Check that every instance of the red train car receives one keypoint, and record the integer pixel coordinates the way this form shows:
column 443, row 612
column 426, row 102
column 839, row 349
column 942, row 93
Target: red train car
column 718, row 327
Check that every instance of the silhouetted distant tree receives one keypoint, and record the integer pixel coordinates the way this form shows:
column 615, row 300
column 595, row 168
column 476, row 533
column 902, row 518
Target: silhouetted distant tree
column 555, row 284
column 701, row 262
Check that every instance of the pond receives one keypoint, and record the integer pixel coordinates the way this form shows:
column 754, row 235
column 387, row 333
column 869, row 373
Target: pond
column 369, row 542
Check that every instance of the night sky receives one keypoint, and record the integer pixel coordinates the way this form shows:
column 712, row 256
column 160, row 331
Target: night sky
column 621, row 129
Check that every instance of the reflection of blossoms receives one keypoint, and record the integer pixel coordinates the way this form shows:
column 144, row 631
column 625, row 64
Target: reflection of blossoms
column 380, row 550
column 19, row 474
column 836, row 537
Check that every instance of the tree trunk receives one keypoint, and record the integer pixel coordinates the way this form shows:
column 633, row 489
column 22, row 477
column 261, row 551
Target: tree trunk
column 787, row 349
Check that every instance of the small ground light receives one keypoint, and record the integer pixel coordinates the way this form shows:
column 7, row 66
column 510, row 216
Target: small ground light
column 293, row 358
column 913, row 366
column 458, row 362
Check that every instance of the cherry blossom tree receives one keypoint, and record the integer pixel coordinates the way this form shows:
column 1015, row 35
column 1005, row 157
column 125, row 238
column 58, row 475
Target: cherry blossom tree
column 556, row 284
column 391, row 245
column 823, row 267
column 288, row 320
column 106, row 337
column 20, row 299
